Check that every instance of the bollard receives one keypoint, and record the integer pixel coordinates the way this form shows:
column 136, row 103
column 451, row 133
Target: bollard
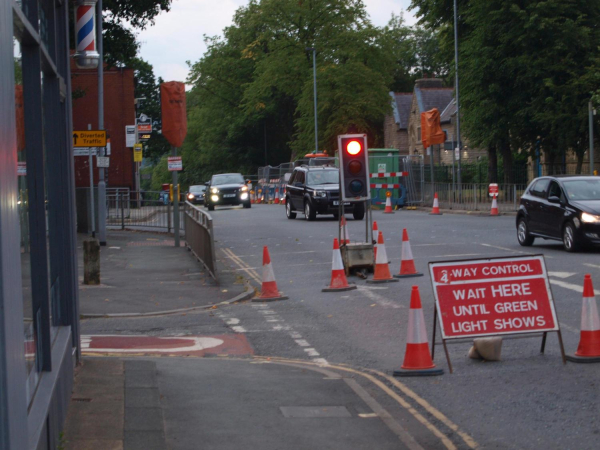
column 91, row 261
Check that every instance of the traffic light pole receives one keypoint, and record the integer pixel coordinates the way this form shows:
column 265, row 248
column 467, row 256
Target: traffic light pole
column 175, row 201
column 101, row 174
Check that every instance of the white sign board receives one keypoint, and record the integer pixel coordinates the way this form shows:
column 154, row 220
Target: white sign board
column 85, row 151
column 103, row 161
column 456, row 153
column 382, row 168
column 174, row 163
column 21, row 169
column 129, row 135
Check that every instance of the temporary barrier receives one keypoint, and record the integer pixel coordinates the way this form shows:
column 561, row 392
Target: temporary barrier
column 269, row 291
column 496, row 296
column 339, row 282
column 588, row 350
column 407, row 265
column 417, row 359
column 382, row 270
column 388, row 187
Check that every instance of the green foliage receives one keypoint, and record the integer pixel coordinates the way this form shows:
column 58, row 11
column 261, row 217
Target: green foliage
column 160, row 174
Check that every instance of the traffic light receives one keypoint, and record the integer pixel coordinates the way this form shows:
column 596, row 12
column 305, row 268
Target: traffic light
column 354, row 167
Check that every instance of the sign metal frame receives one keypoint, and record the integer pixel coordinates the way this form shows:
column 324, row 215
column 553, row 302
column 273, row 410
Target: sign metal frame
column 94, row 138
column 437, row 314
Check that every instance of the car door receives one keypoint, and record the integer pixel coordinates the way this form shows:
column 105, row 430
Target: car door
column 537, row 195
column 298, row 187
column 552, row 213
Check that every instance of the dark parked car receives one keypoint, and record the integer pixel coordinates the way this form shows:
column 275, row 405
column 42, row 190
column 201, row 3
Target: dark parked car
column 227, row 189
column 564, row 208
column 196, row 194
column 316, row 190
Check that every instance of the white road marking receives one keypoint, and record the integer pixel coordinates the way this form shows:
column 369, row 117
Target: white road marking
column 232, row 321
column 201, row 343
column 302, row 342
column 596, row 266
column 368, row 415
column 321, row 361
column 312, row 352
column 267, row 311
column 561, row 274
column 239, row 329
column 281, row 328
column 573, row 287
column 295, row 335
column 272, row 319
column 506, row 249
column 381, row 301
column 456, row 256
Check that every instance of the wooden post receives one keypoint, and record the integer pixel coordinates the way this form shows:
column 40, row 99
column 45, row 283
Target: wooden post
column 91, row 261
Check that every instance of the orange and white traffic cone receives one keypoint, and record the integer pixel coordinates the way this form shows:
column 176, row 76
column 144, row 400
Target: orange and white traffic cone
column 252, row 197
column 407, row 266
column 375, row 237
column 382, row 270
column 588, row 350
column 339, row 282
column 494, row 211
column 276, row 201
column 269, row 291
column 345, row 237
column 388, row 206
column 417, row 359
column 435, row 211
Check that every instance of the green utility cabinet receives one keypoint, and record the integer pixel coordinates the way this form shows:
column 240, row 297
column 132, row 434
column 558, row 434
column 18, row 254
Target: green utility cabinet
column 384, row 160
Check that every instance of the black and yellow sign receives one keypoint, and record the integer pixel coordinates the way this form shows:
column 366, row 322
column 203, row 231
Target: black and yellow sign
column 89, row 138
column 137, row 153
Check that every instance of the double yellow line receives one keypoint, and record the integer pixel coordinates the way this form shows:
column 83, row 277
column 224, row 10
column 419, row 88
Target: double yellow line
column 253, row 274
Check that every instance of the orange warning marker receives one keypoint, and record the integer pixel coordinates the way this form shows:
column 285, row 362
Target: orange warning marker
column 494, row 211
column 269, row 291
column 382, row 270
column 588, row 350
column 339, row 282
column 375, row 237
column 276, row 201
column 417, row 359
column 345, row 237
column 407, row 266
column 388, row 203
column 436, row 207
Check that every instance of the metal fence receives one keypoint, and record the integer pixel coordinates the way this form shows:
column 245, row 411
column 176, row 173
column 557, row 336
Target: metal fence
column 146, row 209
column 271, row 181
column 199, row 237
column 473, row 196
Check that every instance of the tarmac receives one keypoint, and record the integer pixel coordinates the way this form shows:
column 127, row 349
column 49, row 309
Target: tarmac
column 197, row 399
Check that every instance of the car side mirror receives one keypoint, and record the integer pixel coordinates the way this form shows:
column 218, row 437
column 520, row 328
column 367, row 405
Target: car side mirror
column 207, row 183
column 554, row 199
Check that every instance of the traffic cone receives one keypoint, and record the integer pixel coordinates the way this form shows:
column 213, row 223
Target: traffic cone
column 388, row 206
column 269, row 291
column 375, row 237
column 436, row 207
column 494, row 211
column 417, row 359
column 252, row 197
column 339, row 282
column 588, row 350
column 345, row 237
column 276, row 201
column 407, row 266
column 382, row 270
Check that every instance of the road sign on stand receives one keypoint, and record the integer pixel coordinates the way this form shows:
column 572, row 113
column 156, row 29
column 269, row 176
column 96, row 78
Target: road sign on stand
column 129, row 135
column 144, row 127
column 137, row 152
column 493, row 190
column 490, row 297
column 174, row 163
column 89, row 138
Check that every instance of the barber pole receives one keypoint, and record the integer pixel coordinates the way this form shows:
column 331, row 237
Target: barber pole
column 86, row 55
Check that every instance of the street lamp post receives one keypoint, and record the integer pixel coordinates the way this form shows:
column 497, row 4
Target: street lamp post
column 314, row 53
column 101, row 151
column 458, row 145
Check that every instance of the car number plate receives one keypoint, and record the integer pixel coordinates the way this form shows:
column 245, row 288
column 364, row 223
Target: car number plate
column 228, row 195
column 336, row 203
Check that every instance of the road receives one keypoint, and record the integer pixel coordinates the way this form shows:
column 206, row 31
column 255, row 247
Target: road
column 525, row 401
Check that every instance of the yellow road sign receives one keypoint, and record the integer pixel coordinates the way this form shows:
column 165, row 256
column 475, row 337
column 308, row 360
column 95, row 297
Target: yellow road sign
column 89, row 138
column 137, row 152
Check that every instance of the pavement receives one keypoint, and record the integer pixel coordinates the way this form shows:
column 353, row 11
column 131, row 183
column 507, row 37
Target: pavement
column 143, row 273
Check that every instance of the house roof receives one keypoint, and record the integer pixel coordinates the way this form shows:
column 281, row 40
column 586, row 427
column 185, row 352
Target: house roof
column 429, row 98
column 448, row 112
column 401, row 102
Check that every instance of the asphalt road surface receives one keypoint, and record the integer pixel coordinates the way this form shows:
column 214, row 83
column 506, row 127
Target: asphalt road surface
column 525, row 401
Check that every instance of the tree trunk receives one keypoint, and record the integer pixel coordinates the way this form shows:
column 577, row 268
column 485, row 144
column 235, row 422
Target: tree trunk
column 492, row 164
column 507, row 161
column 579, row 163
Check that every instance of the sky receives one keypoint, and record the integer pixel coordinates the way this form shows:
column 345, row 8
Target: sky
column 177, row 35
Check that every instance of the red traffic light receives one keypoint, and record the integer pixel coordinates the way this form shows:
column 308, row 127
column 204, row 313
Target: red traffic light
column 354, row 147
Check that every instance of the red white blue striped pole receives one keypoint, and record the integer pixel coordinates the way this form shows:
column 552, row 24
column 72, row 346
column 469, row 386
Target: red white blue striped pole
column 86, row 55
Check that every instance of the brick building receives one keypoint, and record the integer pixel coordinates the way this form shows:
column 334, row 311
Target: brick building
column 119, row 111
column 395, row 134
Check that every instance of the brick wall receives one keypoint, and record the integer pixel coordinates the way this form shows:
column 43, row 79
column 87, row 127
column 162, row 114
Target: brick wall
column 119, row 111
column 393, row 137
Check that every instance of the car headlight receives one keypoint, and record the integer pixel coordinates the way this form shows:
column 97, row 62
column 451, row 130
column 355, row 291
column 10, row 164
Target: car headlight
column 320, row 194
column 244, row 189
column 589, row 218
column 191, row 196
column 214, row 190
column 215, row 198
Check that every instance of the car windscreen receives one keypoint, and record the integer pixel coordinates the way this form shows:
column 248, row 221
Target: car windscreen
column 197, row 188
column 317, row 177
column 582, row 189
column 227, row 179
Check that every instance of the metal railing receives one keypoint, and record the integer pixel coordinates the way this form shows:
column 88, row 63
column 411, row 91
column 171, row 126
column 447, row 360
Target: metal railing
column 199, row 237
column 149, row 209
column 474, row 197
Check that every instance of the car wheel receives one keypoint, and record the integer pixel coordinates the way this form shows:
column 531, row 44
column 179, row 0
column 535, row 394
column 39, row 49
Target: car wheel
column 247, row 205
column 359, row 211
column 288, row 210
column 523, row 236
column 211, row 207
column 309, row 212
column 569, row 241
